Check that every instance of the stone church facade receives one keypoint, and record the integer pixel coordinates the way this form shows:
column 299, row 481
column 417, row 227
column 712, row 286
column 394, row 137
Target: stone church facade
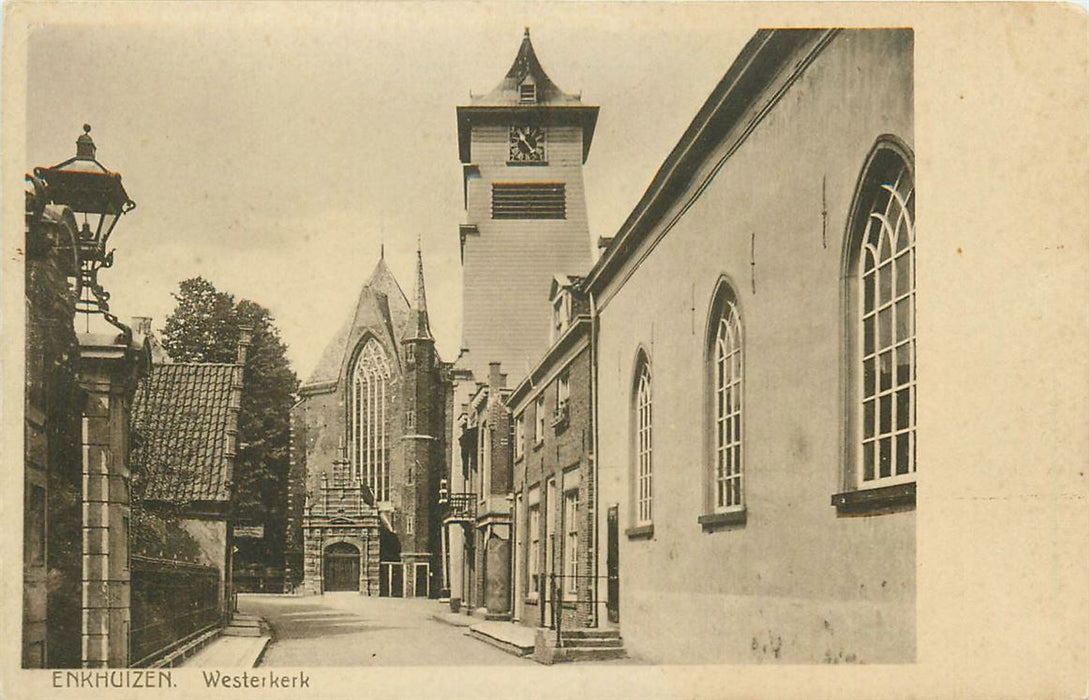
column 368, row 451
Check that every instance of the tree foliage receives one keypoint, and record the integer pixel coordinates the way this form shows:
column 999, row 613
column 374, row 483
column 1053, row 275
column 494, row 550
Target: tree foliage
column 205, row 327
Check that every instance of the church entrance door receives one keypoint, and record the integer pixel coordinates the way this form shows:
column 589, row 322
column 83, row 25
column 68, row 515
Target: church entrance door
column 341, row 567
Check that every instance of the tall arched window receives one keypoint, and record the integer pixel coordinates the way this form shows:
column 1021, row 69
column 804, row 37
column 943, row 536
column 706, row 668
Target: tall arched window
column 644, row 464
column 369, row 443
column 884, row 338
column 726, row 373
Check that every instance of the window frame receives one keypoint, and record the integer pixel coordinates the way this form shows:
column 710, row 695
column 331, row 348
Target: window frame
column 861, row 494
column 373, row 360
column 725, row 426
column 520, row 435
column 571, row 543
column 642, row 449
column 533, row 542
column 539, row 412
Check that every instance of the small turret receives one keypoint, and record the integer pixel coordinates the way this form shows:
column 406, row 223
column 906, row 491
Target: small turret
column 419, row 328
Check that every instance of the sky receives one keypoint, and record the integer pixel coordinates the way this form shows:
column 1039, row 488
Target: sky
column 274, row 149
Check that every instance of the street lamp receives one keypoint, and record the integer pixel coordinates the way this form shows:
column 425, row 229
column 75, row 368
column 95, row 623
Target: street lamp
column 88, row 188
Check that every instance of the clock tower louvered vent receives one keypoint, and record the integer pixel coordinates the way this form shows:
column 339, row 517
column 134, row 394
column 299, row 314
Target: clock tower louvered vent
column 529, row 200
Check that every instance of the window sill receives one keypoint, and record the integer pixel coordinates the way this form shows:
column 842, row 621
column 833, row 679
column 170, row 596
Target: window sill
column 718, row 521
column 875, row 501
column 527, row 163
column 641, row 532
column 537, row 445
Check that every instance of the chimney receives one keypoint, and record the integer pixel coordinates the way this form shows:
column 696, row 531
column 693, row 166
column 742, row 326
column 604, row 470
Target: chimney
column 245, row 339
column 496, row 379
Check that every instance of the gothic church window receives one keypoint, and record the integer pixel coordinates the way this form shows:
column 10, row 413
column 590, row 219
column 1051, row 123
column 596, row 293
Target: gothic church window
column 369, row 441
column 883, row 320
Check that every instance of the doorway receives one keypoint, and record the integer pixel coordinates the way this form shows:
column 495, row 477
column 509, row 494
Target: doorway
column 612, row 564
column 341, row 567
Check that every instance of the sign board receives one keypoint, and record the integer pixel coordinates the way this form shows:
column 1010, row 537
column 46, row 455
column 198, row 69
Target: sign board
column 249, row 531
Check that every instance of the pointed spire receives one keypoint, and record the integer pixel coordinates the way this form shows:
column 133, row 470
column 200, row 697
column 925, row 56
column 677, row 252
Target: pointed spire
column 420, row 299
column 418, row 327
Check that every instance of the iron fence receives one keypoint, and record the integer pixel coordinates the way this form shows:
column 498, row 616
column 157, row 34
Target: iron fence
column 171, row 603
column 562, row 591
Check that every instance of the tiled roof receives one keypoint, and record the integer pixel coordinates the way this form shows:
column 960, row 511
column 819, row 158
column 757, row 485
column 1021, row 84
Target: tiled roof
column 182, row 413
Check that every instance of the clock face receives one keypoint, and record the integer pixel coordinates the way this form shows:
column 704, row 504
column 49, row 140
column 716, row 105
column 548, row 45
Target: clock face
column 527, row 143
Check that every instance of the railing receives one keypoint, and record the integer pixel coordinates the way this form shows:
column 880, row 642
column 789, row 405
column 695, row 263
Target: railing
column 253, row 578
column 559, row 416
column 554, row 592
column 460, row 506
column 171, row 603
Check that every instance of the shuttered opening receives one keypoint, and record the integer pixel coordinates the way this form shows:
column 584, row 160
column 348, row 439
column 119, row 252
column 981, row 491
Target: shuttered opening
column 529, row 200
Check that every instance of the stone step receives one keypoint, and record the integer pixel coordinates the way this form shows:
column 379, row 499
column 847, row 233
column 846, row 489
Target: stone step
column 567, row 654
column 517, row 647
column 248, row 622
column 591, row 632
column 233, row 631
column 594, row 653
column 590, row 642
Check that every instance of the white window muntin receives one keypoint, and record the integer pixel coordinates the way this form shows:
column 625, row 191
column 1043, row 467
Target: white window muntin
column 643, row 448
column 729, row 366
column 886, row 345
column 539, row 419
column 571, row 543
column 369, row 443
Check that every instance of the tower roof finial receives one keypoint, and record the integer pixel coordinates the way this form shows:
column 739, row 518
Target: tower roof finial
column 419, row 326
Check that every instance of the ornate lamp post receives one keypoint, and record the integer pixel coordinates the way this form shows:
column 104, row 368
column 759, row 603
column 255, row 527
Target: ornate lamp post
column 89, row 189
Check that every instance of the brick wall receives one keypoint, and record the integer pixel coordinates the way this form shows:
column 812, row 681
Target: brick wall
column 565, row 454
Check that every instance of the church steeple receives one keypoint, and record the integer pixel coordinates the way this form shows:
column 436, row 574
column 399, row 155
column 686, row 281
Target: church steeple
column 418, row 327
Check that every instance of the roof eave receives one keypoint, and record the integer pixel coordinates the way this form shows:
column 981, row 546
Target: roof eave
column 744, row 82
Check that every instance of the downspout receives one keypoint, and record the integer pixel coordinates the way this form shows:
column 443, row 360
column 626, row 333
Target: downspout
column 593, row 448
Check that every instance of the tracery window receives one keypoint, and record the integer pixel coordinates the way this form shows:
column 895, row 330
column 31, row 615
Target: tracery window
column 368, row 439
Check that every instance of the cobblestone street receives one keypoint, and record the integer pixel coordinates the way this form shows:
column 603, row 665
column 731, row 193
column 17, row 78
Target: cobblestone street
column 347, row 629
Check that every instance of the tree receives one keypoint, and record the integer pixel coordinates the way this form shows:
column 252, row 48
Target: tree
column 205, row 327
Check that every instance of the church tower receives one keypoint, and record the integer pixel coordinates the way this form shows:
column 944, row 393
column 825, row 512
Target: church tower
column 423, row 444
column 522, row 149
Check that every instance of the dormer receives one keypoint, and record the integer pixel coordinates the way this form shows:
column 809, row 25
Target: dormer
column 527, row 91
column 566, row 304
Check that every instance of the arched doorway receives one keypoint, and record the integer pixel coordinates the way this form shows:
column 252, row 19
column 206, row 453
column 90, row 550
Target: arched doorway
column 341, row 567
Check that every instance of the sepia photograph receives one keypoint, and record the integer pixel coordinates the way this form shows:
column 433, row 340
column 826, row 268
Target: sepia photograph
column 571, row 336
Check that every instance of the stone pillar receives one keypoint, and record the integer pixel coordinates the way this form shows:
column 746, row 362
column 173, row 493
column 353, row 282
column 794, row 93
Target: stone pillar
column 455, row 551
column 497, row 581
column 109, row 369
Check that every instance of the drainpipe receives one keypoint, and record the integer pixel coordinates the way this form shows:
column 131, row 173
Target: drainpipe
column 593, row 446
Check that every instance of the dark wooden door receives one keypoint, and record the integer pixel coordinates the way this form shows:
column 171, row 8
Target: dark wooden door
column 422, row 575
column 341, row 567
column 612, row 564
column 397, row 580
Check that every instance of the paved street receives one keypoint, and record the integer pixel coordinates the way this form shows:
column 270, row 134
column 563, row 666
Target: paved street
column 346, row 629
